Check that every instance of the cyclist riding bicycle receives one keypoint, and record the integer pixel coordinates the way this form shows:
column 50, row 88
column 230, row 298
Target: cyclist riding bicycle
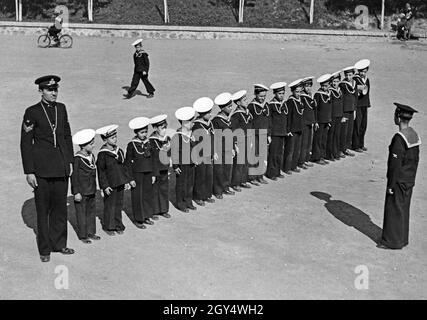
column 56, row 28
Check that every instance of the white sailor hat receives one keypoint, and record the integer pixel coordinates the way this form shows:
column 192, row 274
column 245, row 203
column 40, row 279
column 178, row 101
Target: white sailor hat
column 136, row 42
column 203, row 105
column 308, row 80
column 362, row 64
column 349, row 69
column 336, row 75
column 258, row 87
column 107, row 131
column 185, row 113
column 158, row 120
column 139, row 123
column 83, row 137
column 278, row 86
column 238, row 95
column 324, row 78
column 295, row 84
column 223, row 99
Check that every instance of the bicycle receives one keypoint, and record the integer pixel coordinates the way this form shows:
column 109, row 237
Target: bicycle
column 65, row 41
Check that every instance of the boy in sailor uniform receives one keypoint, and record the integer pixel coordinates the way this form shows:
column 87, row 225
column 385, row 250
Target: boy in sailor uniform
column 363, row 103
column 258, row 108
column 324, row 118
column 83, row 185
column 223, row 147
column 203, row 132
column 309, row 122
column 182, row 144
column 333, row 151
column 402, row 168
column 241, row 121
column 296, row 123
column 161, row 149
column 112, row 179
column 141, row 168
column 279, row 125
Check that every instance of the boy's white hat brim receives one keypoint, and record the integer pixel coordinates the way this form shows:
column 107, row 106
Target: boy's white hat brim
column 278, row 85
column 295, row 83
column 351, row 68
column 107, row 129
column 261, row 86
column 83, row 136
column 238, row 95
column 158, row 119
column 185, row 113
column 203, row 104
column 362, row 64
column 324, row 78
column 136, row 42
column 223, row 98
column 139, row 123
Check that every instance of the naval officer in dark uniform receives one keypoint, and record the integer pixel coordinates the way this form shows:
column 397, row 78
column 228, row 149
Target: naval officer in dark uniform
column 401, row 171
column 47, row 156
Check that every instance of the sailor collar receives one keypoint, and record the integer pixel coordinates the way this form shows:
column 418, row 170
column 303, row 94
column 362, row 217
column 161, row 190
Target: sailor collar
column 410, row 137
column 189, row 137
column 223, row 118
column 322, row 94
column 116, row 153
column 206, row 125
column 165, row 142
column 336, row 92
column 88, row 160
column 261, row 106
column 280, row 104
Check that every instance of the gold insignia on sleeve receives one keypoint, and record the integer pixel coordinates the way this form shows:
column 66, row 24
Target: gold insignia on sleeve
column 27, row 128
column 394, row 155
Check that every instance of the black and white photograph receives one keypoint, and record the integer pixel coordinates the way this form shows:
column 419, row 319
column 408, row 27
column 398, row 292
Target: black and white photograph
column 201, row 151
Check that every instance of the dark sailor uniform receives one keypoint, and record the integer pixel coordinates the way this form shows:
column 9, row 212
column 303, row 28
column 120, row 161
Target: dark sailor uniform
column 261, row 130
column 350, row 94
column 401, row 171
column 279, row 126
column 83, row 181
column 296, row 125
column 47, row 152
column 309, row 115
column 223, row 147
column 142, row 64
column 182, row 160
column 112, row 173
column 203, row 172
column 141, row 167
column 361, row 122
column 241, row 123
column 324, row 118
column 161, row 152
column 334, row 134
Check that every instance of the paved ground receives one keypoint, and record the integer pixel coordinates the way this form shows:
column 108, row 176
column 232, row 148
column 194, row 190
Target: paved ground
column 280, row 241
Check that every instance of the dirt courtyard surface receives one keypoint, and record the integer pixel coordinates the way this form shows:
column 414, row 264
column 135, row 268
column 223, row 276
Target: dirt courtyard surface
column 277, row 241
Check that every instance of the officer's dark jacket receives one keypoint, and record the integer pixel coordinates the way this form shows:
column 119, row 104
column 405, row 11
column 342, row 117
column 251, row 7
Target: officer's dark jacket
column 337, row 100
column 39, row 156
column 324, row 107
column 111, row 169
column 142, row 63
column 350, row 94
column 403, row 158
column 161, row 151
column 140, row 158
column 296, row 114
column 204, row 131
column 309, row 109
column 83, row 179
column 261, row 115
column 279, row 118
column 223, row 142
column 182, row 146
column 363, row 99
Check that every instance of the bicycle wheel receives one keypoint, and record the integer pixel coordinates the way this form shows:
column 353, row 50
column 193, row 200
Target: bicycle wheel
column 65, row 41
column 43, row 41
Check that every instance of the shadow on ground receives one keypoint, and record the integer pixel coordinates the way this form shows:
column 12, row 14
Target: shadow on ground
column 350, row 215
column 136, row 93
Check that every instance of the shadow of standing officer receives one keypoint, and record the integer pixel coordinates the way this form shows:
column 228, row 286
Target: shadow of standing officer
column 349, row 215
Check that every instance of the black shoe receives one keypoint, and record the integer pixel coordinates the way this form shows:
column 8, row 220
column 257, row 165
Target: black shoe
column 245, row 185
column 110, row 232
column 281, row 176
column 229, row 192
column 45, row 258
column 66, row 251
column 262, row 181
column 321, row 162
column 120, row 231
column 210, row 200
column 303, row 166
column 94, row 237
column 237, row 188
column 359, row 150
column 85, row 240
column 349, row 153
column 341, row 154
column 324, row 160
column 191, row 207
column 296, row 170
column 383, row 246
column 155, row 217
column 166, row 215
column 272, row 178
column 218, row 196
column 288, row 172
column 364, row 149
column 151, row 95
column 148, row 221
column 200, row 203
column 254, row 182
column 140, row 225
column 184, row 210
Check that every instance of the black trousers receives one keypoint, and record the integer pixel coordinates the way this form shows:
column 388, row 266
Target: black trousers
column 258, row 139
column 396, row 216
column 292, row 151
column 203, row 181
column 306, row 143
column 360, row 126
column 239, row 173
column 142, row 196
column 275, row 156
column 333, row 143
column 53, row 31
column 350, row 128
column 184, row 187
column 86, row 216
column 135, row 82
column 320, row 138
column 161, row 193
column 51, row 205
column 113, row 205
column 221, row 177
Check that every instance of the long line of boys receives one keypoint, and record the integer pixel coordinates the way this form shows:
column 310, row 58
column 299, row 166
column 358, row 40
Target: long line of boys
column 299, row 131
